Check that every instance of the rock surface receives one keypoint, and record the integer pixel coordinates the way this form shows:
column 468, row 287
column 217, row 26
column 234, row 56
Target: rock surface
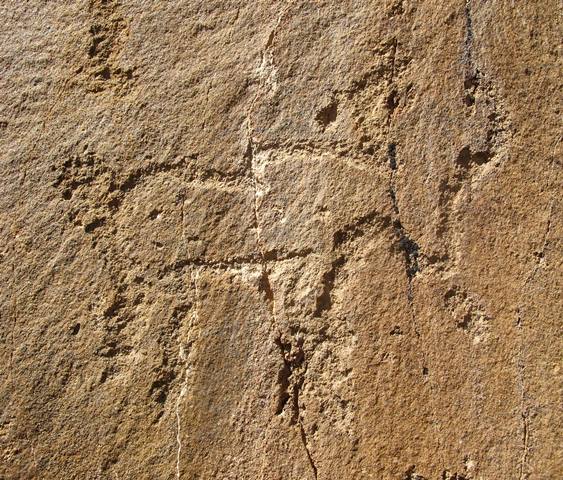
column 294, row 240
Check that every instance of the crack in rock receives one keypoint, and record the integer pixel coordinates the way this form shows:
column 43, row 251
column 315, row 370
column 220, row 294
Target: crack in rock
column 184, row 357
column 324, row 300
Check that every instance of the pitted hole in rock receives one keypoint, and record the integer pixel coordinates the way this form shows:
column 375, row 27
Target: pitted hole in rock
column 327, row 114
column 392, row 155
column 154, row 213
column 466, row 158
column 392, row 101
column 96, row 223
column 396, row 330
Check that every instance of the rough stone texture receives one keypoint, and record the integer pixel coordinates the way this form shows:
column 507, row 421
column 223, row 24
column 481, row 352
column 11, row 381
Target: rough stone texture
column 288, row 240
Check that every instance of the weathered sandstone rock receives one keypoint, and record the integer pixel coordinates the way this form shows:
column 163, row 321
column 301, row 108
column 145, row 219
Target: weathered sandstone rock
column 280, row 240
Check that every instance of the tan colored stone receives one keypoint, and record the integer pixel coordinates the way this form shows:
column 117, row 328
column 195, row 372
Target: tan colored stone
column 280, row 240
